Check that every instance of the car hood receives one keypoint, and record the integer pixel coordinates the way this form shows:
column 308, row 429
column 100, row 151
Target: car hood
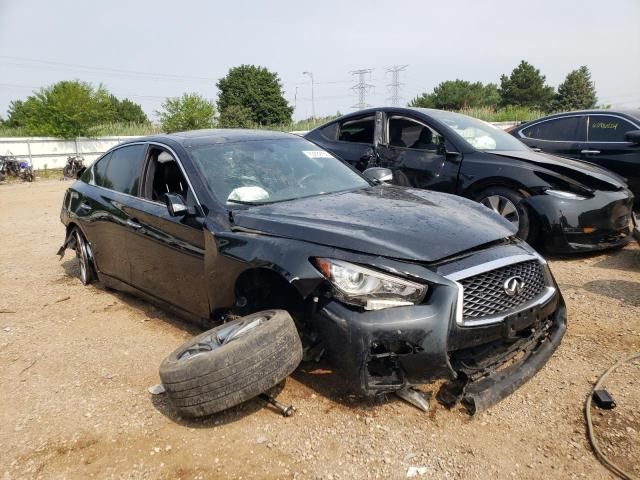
column 574, row 169
column 384, row 220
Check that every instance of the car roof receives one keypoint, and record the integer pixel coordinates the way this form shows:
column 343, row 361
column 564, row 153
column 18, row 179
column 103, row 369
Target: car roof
column 216, row 136
column 625, row 112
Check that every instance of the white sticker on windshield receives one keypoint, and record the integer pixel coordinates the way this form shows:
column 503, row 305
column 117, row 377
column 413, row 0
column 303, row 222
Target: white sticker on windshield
column 317, row 154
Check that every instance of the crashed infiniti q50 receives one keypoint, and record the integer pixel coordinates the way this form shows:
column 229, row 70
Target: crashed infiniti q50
column 398, row 286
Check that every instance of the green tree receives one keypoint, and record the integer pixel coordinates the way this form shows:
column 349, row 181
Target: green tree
column 66, row 109
column 127, row 111
column 457, row 95
column 525, row 87
column 576, row 92
column 257, row 90
column 189, row 112
column 235, row 116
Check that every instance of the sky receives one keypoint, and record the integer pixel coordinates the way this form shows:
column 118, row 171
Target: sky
column 149, row 50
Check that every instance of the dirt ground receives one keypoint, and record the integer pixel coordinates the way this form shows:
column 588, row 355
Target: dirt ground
column 76, row 362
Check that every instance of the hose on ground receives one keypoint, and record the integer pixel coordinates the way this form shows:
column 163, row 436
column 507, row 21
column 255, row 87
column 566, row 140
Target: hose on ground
column 587, row 411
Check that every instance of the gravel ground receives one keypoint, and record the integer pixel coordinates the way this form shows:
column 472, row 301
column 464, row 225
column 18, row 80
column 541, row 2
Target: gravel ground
column 76, row 362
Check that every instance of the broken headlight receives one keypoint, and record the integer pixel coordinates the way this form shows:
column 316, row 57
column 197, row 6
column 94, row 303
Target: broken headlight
column 367, row 288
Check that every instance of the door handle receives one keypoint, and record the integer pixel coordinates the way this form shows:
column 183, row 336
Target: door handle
column 84, row 206
column 133, row 224
column 589, row 152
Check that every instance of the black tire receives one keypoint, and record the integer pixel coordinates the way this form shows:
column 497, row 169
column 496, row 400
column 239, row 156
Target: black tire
column 526, row 229
column 87, row 275
column 67, row 171
column 231, row 373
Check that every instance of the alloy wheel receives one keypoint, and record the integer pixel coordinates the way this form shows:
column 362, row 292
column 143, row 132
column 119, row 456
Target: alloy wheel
column 504, row 207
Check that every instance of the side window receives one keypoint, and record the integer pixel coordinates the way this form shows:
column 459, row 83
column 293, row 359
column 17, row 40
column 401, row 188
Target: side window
column 100, row 172
column 124, row 168
column 605, row 128
column 164, row 176
column 403, row 132
column 565, row 129
column 358, row 131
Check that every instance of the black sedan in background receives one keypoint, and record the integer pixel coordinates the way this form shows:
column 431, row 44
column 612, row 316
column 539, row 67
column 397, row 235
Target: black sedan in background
column 562, row 205
column 609, row 138
column 399, row 286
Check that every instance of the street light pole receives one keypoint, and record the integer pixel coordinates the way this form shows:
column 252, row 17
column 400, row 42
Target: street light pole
column 313, row 101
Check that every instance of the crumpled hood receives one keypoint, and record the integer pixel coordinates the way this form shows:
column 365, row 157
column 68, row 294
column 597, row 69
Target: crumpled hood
column 384, row 220
column 568, row 167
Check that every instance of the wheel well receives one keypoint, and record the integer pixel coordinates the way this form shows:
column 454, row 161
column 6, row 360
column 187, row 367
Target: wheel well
column 261, row 288
column 485, row 183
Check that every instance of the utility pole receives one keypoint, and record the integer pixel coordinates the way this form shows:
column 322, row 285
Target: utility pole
column 395, row 84
column 313, row 100
column 362, row 87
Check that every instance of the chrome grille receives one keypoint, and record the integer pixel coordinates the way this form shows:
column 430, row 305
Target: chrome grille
column 484, row 294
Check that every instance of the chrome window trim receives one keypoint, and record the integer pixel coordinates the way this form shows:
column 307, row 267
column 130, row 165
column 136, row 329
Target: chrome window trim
column 485, row 267
column 178, row 161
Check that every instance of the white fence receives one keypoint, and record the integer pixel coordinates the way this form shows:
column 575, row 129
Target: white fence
column 46, row 152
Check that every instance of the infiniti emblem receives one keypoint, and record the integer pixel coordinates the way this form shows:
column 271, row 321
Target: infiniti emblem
column 513, row 286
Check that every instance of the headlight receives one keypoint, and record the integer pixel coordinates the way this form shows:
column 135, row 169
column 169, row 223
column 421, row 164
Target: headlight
column 368, row 288
column 564, row 194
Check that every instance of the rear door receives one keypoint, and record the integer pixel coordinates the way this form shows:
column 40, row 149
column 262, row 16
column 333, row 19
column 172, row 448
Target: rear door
column 607, row 147
column 167, row 253
column 106, row 207
column 565, row 136
column 351, row 139
column 417, row 155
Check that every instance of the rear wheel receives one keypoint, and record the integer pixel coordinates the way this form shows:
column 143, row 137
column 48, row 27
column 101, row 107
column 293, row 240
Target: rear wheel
column 508, row 204
column 84, row 260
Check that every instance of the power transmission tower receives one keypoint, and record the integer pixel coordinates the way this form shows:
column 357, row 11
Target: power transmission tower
column 362, row 87
column 395, row 84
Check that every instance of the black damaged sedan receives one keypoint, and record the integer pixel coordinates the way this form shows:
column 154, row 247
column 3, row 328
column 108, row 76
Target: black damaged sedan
column 560, row 204
column 398, row 286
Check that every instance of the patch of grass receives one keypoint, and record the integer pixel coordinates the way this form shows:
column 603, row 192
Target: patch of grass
column 507, row 114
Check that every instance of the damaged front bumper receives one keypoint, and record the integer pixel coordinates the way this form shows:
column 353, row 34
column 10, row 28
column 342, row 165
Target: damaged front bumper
column 387, row 350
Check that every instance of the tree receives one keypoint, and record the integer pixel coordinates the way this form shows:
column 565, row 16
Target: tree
column 189, row 112
column 235, row 116
column 457, row 95
column 525, row 87
column 65, row 109
column 577, row 92
column 127, row 111
column 258, row 91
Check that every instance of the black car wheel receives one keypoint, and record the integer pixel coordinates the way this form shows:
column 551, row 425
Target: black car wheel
column 508, row 204
column 232, row 363
column 84, row 260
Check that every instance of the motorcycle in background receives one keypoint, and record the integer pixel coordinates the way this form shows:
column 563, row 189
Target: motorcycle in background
column 74, row 166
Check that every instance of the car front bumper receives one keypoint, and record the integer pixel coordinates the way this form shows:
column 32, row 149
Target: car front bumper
column 597, row 223
column 387, row 350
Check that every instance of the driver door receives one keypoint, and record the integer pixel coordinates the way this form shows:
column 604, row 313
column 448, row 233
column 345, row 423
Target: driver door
column 416, row 154
column 167, row 253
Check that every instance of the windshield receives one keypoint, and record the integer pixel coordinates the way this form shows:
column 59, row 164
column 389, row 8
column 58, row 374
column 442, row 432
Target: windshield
column 477, row 133
column 266, row 171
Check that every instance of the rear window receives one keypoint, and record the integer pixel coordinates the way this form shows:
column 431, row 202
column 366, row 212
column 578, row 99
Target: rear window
column 357, row 131
column 123, row 169
column 566, row 129
column 605, row 128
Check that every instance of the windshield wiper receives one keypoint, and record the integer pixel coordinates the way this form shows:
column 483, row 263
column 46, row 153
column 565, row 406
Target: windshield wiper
column 243, row 202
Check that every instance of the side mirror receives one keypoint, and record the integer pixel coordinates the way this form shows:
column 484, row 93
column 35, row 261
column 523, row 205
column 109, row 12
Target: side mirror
column 176, row 205
column 633, row 136
column 379, row 175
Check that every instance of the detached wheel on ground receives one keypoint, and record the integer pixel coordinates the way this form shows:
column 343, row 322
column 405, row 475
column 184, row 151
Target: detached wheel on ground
column 508, row 204
column 84, row 259
column 232, row 363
